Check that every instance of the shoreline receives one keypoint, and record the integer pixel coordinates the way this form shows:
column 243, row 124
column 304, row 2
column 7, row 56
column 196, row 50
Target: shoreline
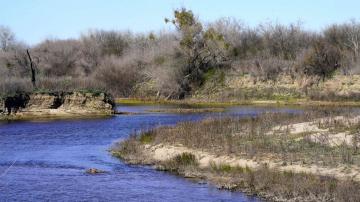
column 56, row 105
column 48, row 117
column 161, row 153
column 217, row 170
column 202, row 103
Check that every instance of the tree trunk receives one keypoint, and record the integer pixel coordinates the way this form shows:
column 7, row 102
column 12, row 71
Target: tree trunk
column 33, row 72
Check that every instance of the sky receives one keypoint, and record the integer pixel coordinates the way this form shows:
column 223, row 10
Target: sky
column 35, row 20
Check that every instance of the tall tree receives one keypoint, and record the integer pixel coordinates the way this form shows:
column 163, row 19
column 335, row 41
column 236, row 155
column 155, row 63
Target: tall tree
column 202, row 49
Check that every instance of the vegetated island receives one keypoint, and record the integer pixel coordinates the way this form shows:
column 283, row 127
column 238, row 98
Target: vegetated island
column 310, row 157
column 35, row 105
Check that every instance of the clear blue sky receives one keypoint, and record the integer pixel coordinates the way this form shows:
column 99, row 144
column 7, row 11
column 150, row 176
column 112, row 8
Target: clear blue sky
column 35, row 20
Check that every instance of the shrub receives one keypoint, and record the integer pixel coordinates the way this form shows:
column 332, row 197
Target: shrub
column 181, row 161
column 109, row 42
column 14, row 85
column 119, row 76
column 58, row 57
column 321, row 60
column 146, row 137
column 185, row 159
column 226, row 168
column 127, row 148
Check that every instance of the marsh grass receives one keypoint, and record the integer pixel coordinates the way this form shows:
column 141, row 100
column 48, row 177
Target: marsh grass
column 180, row 162
column 249, row 137
column 226, row 168
column 146, row 137
column 284, row 186
column 254, row 137
column 129, row 150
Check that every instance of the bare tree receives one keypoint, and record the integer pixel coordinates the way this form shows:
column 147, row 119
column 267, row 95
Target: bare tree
column 353, row 38
column 7, row 38
column 59, row 57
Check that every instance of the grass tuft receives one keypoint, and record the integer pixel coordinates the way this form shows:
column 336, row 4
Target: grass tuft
column 146, row 137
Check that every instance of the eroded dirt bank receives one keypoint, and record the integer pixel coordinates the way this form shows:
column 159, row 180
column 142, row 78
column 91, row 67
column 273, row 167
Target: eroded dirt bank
column 58, row 104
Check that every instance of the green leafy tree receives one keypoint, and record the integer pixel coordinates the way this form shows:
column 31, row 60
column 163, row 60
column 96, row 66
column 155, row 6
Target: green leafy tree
column 202, row 49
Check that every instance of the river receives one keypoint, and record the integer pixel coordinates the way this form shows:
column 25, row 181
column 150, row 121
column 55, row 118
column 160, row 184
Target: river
column 46, row 160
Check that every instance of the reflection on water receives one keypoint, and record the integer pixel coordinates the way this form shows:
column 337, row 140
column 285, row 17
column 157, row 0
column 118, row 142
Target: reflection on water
column 42, row 161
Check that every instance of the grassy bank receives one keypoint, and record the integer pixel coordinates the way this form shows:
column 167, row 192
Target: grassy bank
column 313, row 156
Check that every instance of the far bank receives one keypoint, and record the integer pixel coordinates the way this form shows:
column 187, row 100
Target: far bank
column 35, row 105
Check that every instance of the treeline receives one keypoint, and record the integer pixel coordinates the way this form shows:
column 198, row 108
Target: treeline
column 175, row 64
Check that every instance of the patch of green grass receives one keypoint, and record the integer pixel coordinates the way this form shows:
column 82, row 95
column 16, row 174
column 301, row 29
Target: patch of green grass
column 226, row 168
column 285, row 97
column 180, row 162
column 146, row 137
column 134, row 101
column 42, row 91
column 185, row 159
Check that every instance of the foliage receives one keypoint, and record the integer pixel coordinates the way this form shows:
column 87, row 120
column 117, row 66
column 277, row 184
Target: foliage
column 173, row 65
column 202, row 49
column 321, row 60
column 180, row 162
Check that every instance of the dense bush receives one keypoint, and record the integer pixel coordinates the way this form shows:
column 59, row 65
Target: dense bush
column 119, row 74
column 321, row 60
column 58, row 57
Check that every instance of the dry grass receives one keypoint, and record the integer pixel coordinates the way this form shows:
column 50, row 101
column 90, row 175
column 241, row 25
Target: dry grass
column 249, row 137
column 237, row 87
column 264, row 182
column 255, row 138
column 285, row 186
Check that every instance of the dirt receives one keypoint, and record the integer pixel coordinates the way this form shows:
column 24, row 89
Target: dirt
column 59, row 104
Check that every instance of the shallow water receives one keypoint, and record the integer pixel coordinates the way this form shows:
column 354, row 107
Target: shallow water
column 46, row 160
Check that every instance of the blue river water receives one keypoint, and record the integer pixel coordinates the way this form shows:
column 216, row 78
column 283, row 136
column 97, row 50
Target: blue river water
column 46, row 160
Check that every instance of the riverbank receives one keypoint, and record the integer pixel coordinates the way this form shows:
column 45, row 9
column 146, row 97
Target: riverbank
column 238, row 89
column 208, row 103
column 24, row 106
column 279, row 157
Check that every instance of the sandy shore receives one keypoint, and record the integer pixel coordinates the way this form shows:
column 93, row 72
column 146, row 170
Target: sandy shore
column 161, row 153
